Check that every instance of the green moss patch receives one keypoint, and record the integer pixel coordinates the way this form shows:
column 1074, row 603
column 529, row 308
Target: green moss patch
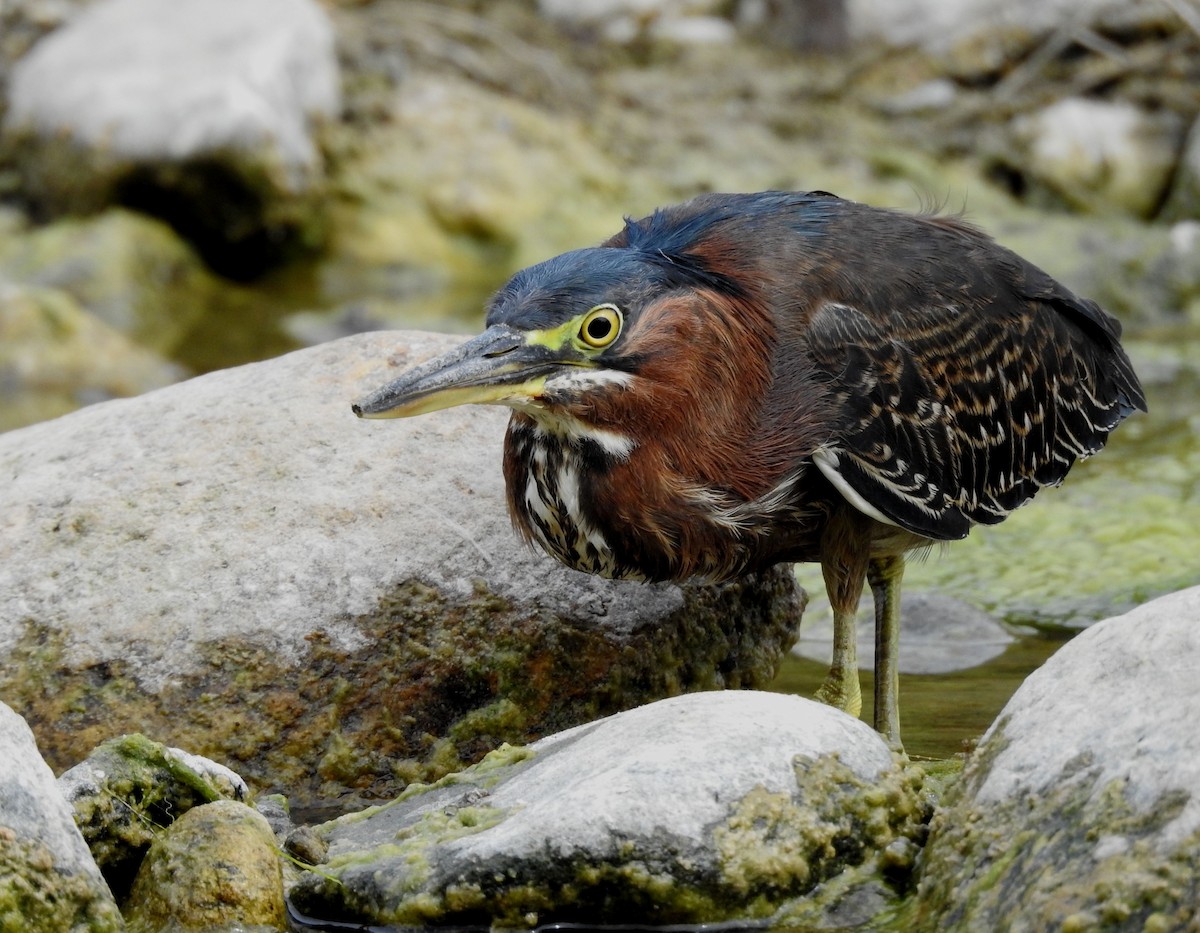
column 34, row 896
column 1073, row 857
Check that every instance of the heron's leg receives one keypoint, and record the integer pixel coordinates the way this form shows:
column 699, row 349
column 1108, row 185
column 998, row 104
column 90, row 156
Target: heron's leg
column 884, row 573
column 844, row 566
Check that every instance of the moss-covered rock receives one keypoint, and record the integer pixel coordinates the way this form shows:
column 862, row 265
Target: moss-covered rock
column 328, row 605
column 216, row 868
column 129, row 790
column 55, row 357
column 697, row 809
column 129, row 271
column 1079, row 810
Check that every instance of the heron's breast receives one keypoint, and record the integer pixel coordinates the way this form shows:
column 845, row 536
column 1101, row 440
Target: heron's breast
column 549, row 495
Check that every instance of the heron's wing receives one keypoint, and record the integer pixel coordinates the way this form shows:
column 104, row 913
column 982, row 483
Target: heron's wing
column 956, row 412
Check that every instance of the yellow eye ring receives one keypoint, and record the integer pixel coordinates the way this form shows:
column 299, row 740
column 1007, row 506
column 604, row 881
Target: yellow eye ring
column 600, row 326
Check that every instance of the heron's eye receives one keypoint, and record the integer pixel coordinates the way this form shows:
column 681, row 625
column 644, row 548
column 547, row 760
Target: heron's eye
column 600, row 326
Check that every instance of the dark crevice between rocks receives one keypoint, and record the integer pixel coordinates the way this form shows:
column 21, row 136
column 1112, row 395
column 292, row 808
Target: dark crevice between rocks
column 237, row 230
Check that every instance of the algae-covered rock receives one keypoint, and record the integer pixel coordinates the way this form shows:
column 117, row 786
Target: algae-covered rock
column 48, row 880
column 129, row 789
column 131, row 272
column 215, row 868
column 695, row 809
column 244, row 569
column 1079, row 809
column 1098, row 155
column 56, row 357
column 460, row 187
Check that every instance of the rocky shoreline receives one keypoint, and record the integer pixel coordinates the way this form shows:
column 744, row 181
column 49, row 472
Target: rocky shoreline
column 225, row 601
column 1077, row 810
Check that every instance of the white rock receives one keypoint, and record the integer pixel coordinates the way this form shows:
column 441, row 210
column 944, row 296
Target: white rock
column 701, row 807
column 1122, row 695
column 669, row 767
column 148, row 80
column 622, row 21
column 938, row 25
column 1100, row 153
column 61, row 885
column 1081, row 802
column 695, row 30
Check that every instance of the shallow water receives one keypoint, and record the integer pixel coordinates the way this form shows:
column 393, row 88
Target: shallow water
column 941, row 715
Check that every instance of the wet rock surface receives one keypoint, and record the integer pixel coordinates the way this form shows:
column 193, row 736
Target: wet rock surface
column 1079, row 808
column 695, row 809
column 328, row 605
column 129, row 789
column 214, row 868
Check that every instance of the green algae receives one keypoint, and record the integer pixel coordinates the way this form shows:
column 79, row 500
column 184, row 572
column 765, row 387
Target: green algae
column 779, row 845
column 1071, row 857
column 217, row 867
column 36, row 896
column 141, row 789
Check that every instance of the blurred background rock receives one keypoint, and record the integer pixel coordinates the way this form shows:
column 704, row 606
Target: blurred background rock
column 190, row 185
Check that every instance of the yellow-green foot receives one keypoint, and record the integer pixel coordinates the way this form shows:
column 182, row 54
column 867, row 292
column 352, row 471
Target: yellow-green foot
column 840, row 689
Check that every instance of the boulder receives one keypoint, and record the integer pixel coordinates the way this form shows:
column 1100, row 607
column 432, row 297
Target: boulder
column 238, row 566
column 690, row 810
column 215, row 868
column 1079, row 808
column 1098, row 156
column 48, row 880
column 200, row 111
column 130, row 789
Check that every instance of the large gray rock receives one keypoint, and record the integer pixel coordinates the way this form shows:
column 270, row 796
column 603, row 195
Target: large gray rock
column 48, row 880
column 1080, row 809
column 200, row 110
column 694, row 809
column 238, row 566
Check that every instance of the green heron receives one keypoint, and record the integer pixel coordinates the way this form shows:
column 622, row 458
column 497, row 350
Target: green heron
column 748, row 379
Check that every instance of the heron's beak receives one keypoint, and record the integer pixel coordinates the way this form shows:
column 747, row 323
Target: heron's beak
column 499, row 366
